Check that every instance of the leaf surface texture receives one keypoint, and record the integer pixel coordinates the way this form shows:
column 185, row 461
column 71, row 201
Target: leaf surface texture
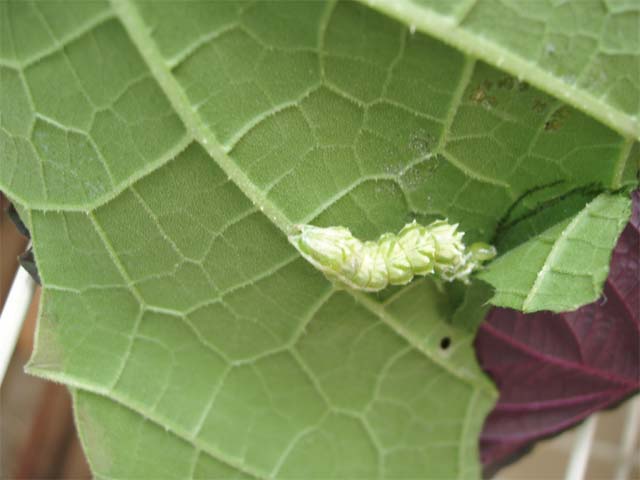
column 164, row 151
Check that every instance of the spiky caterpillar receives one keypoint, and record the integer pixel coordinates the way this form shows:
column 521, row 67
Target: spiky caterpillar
column 435, row 249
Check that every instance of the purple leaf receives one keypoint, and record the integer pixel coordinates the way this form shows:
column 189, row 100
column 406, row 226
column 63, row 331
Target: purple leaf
column 553, row 370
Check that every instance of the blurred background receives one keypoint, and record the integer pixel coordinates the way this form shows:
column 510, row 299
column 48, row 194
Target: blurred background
column 37, row 435
column 38, row 438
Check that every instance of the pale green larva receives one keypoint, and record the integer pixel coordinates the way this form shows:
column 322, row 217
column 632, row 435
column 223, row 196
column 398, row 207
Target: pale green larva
column 435, row 249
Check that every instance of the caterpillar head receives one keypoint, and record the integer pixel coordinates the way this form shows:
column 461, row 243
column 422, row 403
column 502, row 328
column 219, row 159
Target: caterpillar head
column 482, row 252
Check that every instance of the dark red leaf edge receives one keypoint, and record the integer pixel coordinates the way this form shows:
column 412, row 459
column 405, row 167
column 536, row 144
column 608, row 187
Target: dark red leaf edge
column 554, row 370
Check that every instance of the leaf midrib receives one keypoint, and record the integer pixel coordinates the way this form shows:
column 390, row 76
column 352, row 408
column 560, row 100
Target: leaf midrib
column 448, row 30
column 546, row 269
column 137, row 30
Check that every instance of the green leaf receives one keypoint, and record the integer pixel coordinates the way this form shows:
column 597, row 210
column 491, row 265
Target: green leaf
column 565, row 266
column 240, row 349
column 585, row 53
column 164, row 150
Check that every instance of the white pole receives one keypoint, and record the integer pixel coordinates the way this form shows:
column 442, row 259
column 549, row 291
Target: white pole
column 13, row 315
column 629, row 435
column 581, row 449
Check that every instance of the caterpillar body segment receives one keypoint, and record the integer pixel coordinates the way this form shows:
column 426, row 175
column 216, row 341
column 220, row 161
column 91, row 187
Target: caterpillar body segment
column 436, row 249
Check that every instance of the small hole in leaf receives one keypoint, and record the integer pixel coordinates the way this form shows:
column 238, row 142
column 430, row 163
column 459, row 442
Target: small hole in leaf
column 445, row 343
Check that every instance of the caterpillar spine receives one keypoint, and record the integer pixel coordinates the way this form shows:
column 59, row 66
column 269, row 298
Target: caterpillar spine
column 435, row 249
